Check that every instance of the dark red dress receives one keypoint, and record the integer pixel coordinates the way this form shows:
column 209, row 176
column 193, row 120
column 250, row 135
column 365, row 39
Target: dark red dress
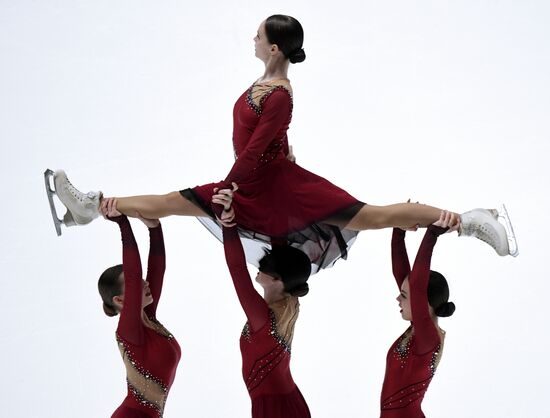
column 413, row 358
column 265, row 348
column 151, row 356
column 277, row 199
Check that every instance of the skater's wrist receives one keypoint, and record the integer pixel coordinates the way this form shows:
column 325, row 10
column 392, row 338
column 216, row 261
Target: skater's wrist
column 437, row 230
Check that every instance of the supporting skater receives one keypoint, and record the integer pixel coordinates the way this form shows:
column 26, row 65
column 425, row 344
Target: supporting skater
column 149, row 351
column 278, row 199
column 267, row 336
column 412, row 360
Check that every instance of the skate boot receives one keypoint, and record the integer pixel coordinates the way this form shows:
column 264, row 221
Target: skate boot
column 82, row 208
column 483, row 224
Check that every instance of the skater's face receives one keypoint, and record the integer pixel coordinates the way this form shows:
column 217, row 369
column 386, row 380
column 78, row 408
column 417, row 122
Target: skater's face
column 262, row 47
column 269, row 281
column 405, row 301
column 146, row 296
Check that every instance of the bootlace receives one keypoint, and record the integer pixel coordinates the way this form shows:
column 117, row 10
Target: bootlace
column 74, row 191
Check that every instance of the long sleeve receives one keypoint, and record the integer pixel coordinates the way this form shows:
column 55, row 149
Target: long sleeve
column 276, row 112
column 426, row 335
column 400, row 260
column 254, row 306
column 130, row 326
column 155, row 268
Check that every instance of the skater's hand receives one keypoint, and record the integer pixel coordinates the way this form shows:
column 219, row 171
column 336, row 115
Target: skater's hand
column 449, row 220
column 149, row 223
column 224, row 197
column 108, row 207
column 227, row 218
column 290, row 156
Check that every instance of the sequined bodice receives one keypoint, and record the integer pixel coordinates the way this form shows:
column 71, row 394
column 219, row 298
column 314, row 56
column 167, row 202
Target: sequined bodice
column 150, row 367
column 266, row 353
column 252, row 124
column 407, row 375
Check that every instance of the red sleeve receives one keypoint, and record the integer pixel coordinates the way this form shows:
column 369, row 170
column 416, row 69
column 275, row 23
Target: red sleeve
column 155, row 268
column 399, row 258
column 253, row 304
column 425, row 331
column 275, row 113
column 130, row 322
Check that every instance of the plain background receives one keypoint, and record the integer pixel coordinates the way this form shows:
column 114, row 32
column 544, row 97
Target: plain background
column 443, row 102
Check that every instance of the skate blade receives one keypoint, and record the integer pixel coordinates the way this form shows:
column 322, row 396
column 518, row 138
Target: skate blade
column 48, row 174
column 512, row 241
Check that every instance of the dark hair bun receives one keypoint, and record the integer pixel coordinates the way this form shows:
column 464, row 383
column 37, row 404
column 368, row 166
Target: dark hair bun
column 300, row 290
column 109, row 310
column 446, row 309
column 297, row 56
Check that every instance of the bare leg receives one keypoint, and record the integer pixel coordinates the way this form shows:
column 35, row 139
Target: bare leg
column 158, row 206
column 400, row 215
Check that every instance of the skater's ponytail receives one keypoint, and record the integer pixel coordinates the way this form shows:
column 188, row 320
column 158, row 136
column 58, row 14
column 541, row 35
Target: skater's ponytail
column 291, row 265
column 109, row 286
column 438, row 295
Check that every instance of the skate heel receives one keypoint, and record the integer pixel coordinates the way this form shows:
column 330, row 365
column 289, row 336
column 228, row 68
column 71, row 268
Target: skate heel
column 68, row 219
column 48, row 174
column 512, row 241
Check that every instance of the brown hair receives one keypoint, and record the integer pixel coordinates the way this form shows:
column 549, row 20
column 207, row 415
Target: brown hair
column 109, row 286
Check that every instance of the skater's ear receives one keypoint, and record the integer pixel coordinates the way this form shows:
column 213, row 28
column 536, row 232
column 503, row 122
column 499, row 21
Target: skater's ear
column 118, row 301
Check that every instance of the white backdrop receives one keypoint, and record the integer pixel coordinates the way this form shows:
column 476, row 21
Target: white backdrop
column 443, row 102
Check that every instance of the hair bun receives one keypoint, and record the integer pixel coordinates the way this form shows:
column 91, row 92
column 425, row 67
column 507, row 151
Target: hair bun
column 300, row 290
column 297, row 56
column 109, row 310
column 446, row 309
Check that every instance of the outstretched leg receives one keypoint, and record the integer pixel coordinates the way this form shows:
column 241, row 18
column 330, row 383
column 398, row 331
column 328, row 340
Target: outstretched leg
column 82, row 208
column 399, row 215
column 158, row 206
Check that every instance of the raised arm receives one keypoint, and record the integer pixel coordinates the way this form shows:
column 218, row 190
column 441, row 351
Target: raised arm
column 399, row 258
column 155, row 267
column 276, row 112
column 130, row 325
column 426, row 335
column 253, row 304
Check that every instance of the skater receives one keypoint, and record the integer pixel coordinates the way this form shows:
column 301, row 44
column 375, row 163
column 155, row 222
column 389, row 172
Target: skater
column 412, row 360
column 149, row 351
column 267, row 336
column 311, row 213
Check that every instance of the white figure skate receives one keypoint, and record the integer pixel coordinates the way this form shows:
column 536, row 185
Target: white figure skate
column 484, row 224
column 82, row 208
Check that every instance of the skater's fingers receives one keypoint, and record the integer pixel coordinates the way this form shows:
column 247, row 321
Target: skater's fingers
column 235, row 186
column 454, row 222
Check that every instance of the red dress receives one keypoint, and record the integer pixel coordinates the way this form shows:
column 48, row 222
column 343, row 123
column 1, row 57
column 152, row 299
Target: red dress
column 277, row 199
column 413, row 358
column 265, row 342
column 151, row 356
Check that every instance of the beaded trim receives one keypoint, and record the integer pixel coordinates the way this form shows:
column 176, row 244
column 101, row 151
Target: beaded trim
column 125, row 350
column 405, row 396
column 265, row 365
column 435, row 360
column 257, row 108
column 161, row 329
column 402, row 347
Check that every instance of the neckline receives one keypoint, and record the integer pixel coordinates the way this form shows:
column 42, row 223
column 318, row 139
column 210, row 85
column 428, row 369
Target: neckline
column 272, row 81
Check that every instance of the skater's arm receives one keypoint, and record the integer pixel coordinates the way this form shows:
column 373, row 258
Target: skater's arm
column 130, row 323
column 155, row 267
column 254, row 306
column 426, row 335
column 400, row 260
column 275, row 113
